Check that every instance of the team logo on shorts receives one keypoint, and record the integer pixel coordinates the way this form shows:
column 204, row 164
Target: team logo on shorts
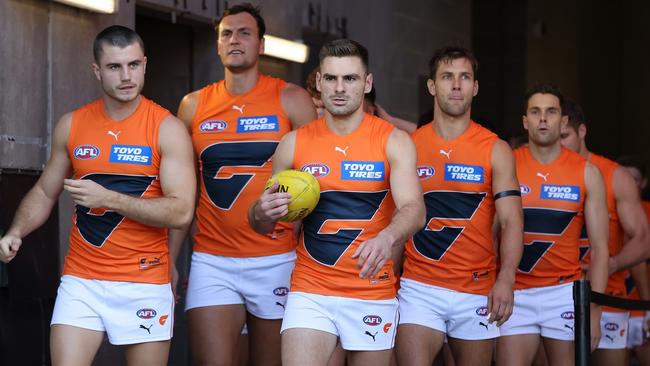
column 562, row 193
column 213, row 126
column 524, row 189
column 146, row 313
column 372, row 320
column 464, row 173
column 362, row 170
column 257, row 124
column 568, row 315
column 85, row 152
column 316, row 169
column 425, row 171
column 482, row 311
column 163, row 319
column 611, row 326
column 281, row 291
column 131, row 154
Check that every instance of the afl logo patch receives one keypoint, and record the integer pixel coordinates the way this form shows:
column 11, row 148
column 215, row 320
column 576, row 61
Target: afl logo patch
column 146, row 313
column 568, row 315
column 482, row 311
column 316, row 169
column 524, row 189
column 425, row 171
column 85, row 152
column 611, row 326
column 281, row 291
column 372, row 320
column 213, row 126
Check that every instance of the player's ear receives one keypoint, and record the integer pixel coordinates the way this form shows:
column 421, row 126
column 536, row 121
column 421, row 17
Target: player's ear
column 524, row 120
column 582, row 131
column 318, row 77
column 475, row 88
column 368, row 86
column 431, row 85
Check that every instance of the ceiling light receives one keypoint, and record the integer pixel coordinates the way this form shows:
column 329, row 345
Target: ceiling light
column 285, row 49
column 100, row 6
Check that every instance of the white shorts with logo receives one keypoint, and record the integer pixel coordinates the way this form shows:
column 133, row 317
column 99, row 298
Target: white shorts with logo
column 260, row 283
column 635, row 336
column 613, row 330
column 457, row 314
column 547, row 311
column 361, row 325
column 128, row 312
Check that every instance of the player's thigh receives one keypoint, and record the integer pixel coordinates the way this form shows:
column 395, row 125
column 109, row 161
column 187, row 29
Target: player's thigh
column 214, row 332
column 417, row 344
column 471, row 352
column 609, row 357
column 73, row 346
column 559, row 352
column 516, row 350
column 264, row 338
column 363, row 358
column 303, row 346
column 147, row 354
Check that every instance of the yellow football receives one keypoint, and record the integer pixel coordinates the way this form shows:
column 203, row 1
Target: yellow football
column 304, row 190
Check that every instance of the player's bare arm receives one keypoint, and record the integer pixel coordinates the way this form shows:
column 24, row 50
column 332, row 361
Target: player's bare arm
column 409, row 215
column 177, row 179
column 298, row 105
column 633, row 221
column 510, row 220
column 596, row 219
column 272, row 205
column 36, row 206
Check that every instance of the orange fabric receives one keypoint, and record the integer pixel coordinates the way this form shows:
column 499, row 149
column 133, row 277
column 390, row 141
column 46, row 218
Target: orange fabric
column 553, row 197
column 355, row 205
column 616, row 282
column 234, row 138
column 455, row 250
column 121, row 156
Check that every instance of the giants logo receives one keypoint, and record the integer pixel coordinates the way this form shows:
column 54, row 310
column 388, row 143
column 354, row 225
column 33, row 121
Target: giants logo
column 146, row 313
column 482, row 311
column 316, row 169
column 213, row 126
column 425, row 172
column 372, row 320
column 85, row 152
column 568, row 315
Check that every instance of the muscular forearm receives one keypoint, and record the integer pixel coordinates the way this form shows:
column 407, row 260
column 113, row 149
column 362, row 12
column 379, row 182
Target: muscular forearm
column 406, row 221
column 634, row 251
column 510, row 251
column 176, row 240
column 170, row 212
column 640, row 276
column 598, row 267
column 32, row 213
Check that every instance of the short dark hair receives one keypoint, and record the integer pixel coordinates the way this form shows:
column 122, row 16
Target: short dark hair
column 115, row 35
column 448, row 54
column 344, row 48
column 254, row 11
column 632, row 161
column 543, row 88
column 573, row 110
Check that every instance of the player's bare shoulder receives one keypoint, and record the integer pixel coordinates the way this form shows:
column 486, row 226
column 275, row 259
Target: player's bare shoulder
column 298, row 105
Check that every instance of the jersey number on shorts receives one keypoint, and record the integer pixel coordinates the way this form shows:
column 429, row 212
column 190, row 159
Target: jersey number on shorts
column 545, row 222
column 96, row 225
column 224, row 191
column 444, row 205
column 326, row 245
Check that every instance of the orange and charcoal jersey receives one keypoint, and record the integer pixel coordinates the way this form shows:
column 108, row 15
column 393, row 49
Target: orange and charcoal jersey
column 455, row 250
column 632, row 290
column 123, row 157
column 553, row 197
column 234, row 138
column 616, row 283
column 355, row 205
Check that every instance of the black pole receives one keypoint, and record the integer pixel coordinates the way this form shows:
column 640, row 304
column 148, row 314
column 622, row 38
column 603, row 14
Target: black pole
column 581, row 301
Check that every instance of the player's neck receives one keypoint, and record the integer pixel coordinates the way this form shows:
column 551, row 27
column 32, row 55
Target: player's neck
column 343, row 125
column 545, row 154
column 584, row 152
column 238, row 83
column 117, row 110
column 450, row 127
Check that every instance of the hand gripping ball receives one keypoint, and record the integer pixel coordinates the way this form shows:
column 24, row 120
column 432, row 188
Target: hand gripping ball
column 304, row 190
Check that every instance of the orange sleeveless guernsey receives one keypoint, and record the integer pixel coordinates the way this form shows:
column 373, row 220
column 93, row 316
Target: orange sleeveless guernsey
column 355, row 205
column 124, row 157
column 455, row 249
column 616, row 282
column 234, row 139
column 553, row 197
